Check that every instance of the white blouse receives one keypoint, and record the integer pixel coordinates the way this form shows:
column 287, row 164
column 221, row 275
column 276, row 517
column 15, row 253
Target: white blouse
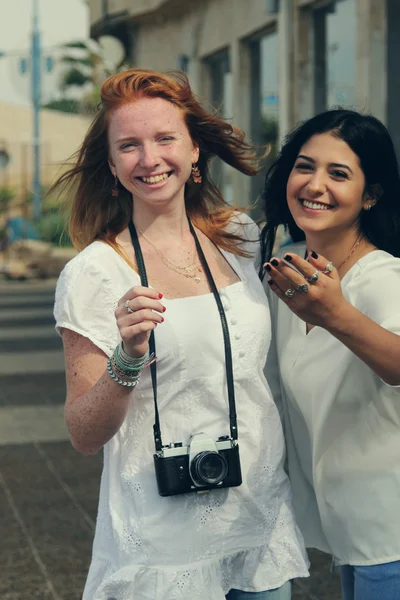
column 194, row 545
column 342, row 423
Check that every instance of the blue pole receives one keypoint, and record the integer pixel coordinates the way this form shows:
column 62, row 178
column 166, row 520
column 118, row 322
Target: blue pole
column 36, row 100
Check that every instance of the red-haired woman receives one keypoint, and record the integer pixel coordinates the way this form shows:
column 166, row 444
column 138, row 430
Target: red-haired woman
column 144, row 206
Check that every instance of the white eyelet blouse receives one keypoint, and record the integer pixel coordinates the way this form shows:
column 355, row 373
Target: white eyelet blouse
column 195, row 545
column 342, row 423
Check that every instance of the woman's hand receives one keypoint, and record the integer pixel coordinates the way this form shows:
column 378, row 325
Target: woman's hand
column 138, row 313
column 319, row 299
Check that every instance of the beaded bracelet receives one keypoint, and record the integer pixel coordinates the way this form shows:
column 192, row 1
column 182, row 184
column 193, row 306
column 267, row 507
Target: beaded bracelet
column 117, row 379
column 122, row 374
column 125, row 369
column 129, row 363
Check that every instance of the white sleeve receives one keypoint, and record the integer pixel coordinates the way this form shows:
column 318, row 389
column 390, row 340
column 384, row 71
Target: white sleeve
column 272, row 370
column 378, row 293
column 85, row 303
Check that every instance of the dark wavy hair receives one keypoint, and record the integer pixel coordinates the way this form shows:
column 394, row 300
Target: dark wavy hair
column 370, row 141
column 94, row 214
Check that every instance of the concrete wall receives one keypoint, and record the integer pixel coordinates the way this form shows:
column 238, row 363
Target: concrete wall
column 61, row 135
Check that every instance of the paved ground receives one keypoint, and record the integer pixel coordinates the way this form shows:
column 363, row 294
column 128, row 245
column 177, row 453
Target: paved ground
column 48, row 492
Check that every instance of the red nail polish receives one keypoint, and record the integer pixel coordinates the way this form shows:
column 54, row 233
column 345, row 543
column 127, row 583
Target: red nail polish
column 164, row 308
column 160, row 296
column 162, row 319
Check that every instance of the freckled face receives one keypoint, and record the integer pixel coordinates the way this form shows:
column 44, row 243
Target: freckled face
column 151, row 151
column 326, row 187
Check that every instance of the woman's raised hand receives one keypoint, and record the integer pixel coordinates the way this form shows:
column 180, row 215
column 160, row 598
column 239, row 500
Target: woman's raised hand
column 138, row 313
column 311, row 289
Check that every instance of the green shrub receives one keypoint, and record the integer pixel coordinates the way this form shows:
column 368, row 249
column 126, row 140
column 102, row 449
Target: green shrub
column 51, row 228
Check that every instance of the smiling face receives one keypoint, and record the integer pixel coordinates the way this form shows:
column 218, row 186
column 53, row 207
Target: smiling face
column 326, row 187
column 151, row 151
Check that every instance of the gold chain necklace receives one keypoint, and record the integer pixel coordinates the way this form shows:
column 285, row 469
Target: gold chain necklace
column 189, row 271
column 357, row 243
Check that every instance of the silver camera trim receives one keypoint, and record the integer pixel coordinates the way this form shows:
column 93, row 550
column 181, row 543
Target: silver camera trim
column 198, row 443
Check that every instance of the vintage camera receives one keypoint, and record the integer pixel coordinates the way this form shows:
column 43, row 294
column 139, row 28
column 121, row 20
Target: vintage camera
column 201, row 466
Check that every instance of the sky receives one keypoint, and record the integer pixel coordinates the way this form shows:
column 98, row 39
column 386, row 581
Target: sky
column 59, row 21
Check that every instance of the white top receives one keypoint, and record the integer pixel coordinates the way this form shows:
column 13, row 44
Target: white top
column 194, row 545
column 342, row 423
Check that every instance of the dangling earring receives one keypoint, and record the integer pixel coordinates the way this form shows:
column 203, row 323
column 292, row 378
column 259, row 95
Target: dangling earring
column 114, row 190
column 368, row 207
column 197, row 178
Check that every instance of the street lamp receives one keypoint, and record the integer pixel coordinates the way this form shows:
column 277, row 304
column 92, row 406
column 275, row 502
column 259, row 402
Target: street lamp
column 36, row 99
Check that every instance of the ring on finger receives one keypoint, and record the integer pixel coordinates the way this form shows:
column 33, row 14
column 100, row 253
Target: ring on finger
column 128, row 308
column 329, row 268
column 313, row 278
column 303, row 287
column 290, row 293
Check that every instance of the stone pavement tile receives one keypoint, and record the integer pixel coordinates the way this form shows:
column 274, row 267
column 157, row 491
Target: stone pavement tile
column 52, row 514
column 23, row 345
column 19, row 571
column 37, row 286
column 47, row 319
column 34, row 332
column 46, row 361
column 23, row 313
column 322, row 584
column 25, row 303
column 25, row 424
column 80, row 473
column 32, row 389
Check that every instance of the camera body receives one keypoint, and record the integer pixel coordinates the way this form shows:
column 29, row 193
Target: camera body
column 200, row 466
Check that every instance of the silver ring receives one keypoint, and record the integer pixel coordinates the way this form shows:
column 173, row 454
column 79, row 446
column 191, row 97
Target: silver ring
column 128, row 308
column 313, row 278
column 303, row 287
column 290, row 293
column 329, row 268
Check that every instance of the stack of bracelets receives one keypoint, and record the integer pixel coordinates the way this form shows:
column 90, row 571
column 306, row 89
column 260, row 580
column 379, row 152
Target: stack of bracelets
column 125, row 369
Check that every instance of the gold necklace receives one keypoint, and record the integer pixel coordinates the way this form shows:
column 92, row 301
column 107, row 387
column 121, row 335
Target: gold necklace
column 189, row 271
column 357, row 243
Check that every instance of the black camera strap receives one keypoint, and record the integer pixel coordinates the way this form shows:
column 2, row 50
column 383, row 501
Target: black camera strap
column 225, row 331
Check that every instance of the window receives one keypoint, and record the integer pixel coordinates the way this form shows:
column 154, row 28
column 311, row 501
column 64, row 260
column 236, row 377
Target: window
column 264, row 102
column 221, row 99
column 335, row 55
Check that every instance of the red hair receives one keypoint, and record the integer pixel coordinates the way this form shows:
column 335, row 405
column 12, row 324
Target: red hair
column 94, row 214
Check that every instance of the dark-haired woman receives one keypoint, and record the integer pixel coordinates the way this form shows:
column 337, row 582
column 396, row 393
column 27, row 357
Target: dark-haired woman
column 336, row 317
column 143, row 199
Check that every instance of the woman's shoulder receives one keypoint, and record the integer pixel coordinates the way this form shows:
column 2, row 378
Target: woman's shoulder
column 378, row 265
column 98, row 261
column 373, row 286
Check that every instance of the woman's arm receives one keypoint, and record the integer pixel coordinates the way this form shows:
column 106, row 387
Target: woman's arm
column 96, row 405
column 324, row 305
column 374, row 345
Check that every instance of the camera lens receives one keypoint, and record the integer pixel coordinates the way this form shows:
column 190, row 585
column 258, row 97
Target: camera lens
column 209, row 468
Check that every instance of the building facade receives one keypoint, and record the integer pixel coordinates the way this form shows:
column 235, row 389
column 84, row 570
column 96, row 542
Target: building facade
column 267, row 64
column 61, row 136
